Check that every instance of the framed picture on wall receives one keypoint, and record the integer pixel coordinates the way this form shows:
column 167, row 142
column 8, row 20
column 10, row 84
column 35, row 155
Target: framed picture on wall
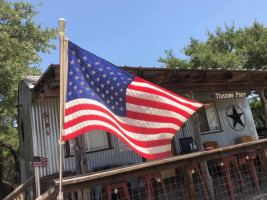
column 209, row 120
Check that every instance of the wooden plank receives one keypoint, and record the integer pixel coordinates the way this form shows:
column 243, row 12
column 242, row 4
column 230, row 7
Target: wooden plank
column 189, row 183
column 20, row 189
column 47, row 194
column 263, row 152
column 123, row 173
column 263, row 105
column 117, row 177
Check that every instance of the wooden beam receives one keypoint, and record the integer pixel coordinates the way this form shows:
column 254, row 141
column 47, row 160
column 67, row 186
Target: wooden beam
column 189, row 183
column 47, row 194
column 240, row 76
column 263, row 105
column 20, row 189
column 263, row 153
column 180, row 88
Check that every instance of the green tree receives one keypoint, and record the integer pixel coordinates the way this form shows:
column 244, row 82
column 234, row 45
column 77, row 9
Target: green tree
column 256, row 109
column 21, row 39
column 172, row 62
column 225, row 48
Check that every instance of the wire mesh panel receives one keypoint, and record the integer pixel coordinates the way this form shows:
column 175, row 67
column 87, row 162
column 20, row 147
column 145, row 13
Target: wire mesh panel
column 239, row 176
column 228, row 173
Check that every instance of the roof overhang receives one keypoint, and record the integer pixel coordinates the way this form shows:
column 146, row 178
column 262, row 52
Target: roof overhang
column 178, row 80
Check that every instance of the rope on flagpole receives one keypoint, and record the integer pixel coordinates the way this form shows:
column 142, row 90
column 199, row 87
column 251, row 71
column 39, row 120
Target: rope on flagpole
column 62, row 24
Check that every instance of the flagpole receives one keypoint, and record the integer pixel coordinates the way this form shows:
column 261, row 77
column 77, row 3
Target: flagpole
column 37, row 179
column 61, row 23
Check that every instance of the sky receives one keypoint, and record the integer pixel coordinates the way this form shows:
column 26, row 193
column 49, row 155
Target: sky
column 136, row 32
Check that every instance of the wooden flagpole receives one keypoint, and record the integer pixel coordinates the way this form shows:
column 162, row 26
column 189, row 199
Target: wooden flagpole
column 61, row 23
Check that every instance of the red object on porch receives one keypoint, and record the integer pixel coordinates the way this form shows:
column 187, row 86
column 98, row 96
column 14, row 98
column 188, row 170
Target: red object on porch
column 227, row 174
column 250, row 161
column 149, row 188
column 251, row 168
column 122, row 188
column 195, row 166
column 209, row 148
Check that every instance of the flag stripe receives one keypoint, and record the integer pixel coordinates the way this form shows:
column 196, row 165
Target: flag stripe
column 152, row 104
column 39, row 161
column 159, row 99
column 76, row 118
column 132, row 131
column 163, row 154
column 187, row 106
column 144, row 142
column 92, row 124
column 154, row 111
column 153, row 118
column 141, row 82
column 87, row 104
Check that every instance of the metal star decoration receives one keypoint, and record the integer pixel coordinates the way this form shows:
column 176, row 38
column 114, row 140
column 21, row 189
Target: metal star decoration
column 236, row 117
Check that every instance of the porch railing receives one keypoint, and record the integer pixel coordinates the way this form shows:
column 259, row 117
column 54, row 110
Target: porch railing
column 233, row 172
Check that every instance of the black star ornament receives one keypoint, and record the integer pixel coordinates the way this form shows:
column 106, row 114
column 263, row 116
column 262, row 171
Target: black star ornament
column 236, row 117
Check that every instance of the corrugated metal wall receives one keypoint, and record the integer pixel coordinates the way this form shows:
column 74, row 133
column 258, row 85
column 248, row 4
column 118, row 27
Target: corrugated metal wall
column 45, row 141
column 45, row 131
column 227, row 136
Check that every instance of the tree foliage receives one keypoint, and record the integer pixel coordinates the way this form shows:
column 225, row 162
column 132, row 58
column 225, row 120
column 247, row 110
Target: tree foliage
column 242, row 48
column 172, row 62
column 21, row 39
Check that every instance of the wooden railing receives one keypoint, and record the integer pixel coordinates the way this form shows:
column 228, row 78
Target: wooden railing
column 16, row 193
column 77, row 183
column 184, row 162
column 84, row 181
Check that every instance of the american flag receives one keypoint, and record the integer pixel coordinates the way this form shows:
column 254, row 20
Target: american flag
column 104, row 97
column 39, row 161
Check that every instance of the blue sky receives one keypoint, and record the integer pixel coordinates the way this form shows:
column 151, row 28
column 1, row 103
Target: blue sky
column 136, row 32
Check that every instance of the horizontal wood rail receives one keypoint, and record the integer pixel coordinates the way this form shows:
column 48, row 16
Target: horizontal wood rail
column 79, row 182
column 20, row 189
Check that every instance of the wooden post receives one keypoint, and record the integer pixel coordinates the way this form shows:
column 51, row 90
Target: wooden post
column 199, row 144
column 263, row 152
column 263, row 104
column 81, row 164
column 189, row 183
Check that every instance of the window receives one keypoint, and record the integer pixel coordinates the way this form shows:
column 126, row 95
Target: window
column 208, row 117
column 95, row 140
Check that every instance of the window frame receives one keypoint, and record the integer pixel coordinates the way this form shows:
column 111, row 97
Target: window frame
column 217, row 117
column 109, row 147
